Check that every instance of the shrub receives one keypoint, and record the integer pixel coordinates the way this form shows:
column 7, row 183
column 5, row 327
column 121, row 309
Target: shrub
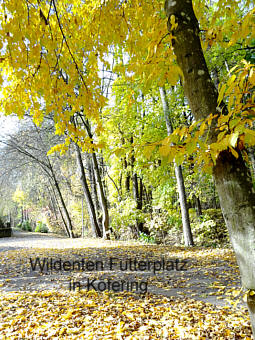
column 125, row 216
column 146, row 238
column 25, row 225
column 210, row 230
column 19, row 225
column 164, row 226
column 41, row 227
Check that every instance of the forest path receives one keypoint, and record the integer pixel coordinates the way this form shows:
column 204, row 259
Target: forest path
column 22, row 239
column 209, row 275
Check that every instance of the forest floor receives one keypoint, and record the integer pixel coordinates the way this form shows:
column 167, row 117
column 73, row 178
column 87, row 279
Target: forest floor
column 165, row 291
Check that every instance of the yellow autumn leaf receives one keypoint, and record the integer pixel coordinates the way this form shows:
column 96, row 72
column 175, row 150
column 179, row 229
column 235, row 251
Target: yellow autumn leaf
column 174, row 24
column 221, row 93
column 68, row 315
column 165, row 150
column 233, row 139
column 234, row 153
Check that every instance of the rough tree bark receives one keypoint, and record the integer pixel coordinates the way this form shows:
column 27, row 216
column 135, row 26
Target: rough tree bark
column 232, row 177
column 252, row 159
column 188, row 238
column 90, row 204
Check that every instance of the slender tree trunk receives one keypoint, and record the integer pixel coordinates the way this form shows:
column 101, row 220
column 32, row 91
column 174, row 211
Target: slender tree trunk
column 68, row 219
column 198, row 206
column 60, row 211
column 147, row 198
column 136, row 194
column 127, row 179
column 140, row 198
column 195, row 198
column 150, row 193
column 53, row 207
column 125, row 165
column 116, row 187
column 135, row 190
column 67, row 216
column 82, row 219
column 64, row 221
column 187, row 233
column 103, row 174
column 127, row 183
column 103, row 201
column 53, row 204
column 91, row 209
column 120, row 187
column 102, row 197
column 10, row 219
column 232, row 177
column 188, row 238
column 93, row 190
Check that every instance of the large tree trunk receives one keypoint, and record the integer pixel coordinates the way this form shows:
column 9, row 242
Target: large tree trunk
column 188, row 238
column 91, row 209
column 233, row 180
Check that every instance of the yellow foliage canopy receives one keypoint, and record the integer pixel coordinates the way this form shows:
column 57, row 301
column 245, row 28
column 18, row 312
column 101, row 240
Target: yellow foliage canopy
column 52, row 53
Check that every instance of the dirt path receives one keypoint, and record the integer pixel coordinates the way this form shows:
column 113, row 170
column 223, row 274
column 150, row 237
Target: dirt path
column 209, row 275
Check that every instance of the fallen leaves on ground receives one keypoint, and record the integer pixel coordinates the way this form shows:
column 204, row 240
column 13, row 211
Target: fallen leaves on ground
column 36, row 305
column 94, row 315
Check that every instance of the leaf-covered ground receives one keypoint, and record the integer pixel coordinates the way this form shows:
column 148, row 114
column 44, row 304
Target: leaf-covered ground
column 39, row 305
column 90, row 315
